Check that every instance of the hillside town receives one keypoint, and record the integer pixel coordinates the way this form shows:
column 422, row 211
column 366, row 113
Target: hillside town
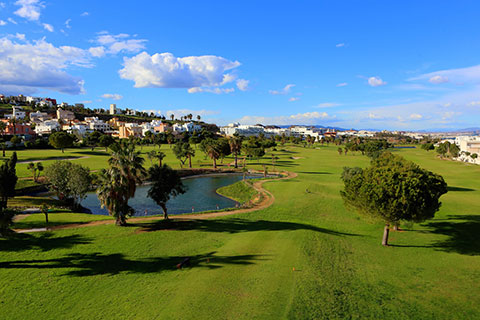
column 34, row 117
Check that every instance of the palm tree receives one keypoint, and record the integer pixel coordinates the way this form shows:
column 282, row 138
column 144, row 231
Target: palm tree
column 211, row 148
column 199, row 117
column 235, row 143
column 166, row 183
column 159, row 155
column 119, row 183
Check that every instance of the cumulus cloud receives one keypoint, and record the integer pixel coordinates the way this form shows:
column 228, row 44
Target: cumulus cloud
column 327, row 105
column 2, row 23
column 308, row 118
column 164, row 70
column 343, row 84
column 11, row 21
column 242, row 84
column 122, row 42
column 97, row 51
column 376, row 82
column 438, row 79
column 292, row 99
column 285, row 90
column 113, row 96
column 39, row 64
column 48, row 27
column 29, row 9
column 20, row 36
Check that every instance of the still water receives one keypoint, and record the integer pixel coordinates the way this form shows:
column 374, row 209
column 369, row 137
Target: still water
column 200, row 196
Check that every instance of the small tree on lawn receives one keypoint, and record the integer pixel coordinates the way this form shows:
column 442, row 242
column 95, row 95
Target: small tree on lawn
column 61, row 140
column 166, row 183
column 393, row 189
column 184, row 151
column 106, row 141
column 44, row 208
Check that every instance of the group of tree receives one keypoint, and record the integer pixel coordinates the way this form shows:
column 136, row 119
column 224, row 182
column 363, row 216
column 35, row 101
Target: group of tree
column 98, row 139
column 448, row 149
column 118, row 183
column 393, row 189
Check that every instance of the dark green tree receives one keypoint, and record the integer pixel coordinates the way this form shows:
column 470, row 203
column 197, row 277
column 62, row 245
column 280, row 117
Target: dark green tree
column 61, row 140
column 393, row 189
column 166, row 183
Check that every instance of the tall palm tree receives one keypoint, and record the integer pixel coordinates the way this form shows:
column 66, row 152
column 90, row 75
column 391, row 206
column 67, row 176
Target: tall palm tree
column 118, row 183
column 211, row 148
column 235, row 143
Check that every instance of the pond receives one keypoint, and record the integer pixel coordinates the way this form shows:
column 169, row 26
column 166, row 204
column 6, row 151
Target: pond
column 200, row 196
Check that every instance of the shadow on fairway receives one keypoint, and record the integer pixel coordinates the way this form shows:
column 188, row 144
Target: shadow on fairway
column 91, row 264
column 233, row 226
column 462, row 232
column 94, row 153
column 43, row 242
column 459, row 189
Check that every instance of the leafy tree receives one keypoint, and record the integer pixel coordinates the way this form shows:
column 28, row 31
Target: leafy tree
column 35, row 168
column 393, row 189
column 254, row 148
column 443, row 148
column 44, row 209
column 93, row 139
column 428, row 146
column 340, row 151
column 454, row 150
column 166, row 183
column 16, row 140
column 8, row 180
column 61, row 140
column 474, row 155
column 70, row 181
column 106, row 141
column 184, row 151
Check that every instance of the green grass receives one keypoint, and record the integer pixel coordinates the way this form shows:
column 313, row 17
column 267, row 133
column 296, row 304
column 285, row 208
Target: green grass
column 56, row 218
column 242, row 265
column 240, row 191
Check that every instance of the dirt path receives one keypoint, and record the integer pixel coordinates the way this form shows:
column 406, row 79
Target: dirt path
column 267, row 200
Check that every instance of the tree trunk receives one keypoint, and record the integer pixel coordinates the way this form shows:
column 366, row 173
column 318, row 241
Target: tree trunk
column 236, row 161
column 120, row 221
column 395, row 227
column 63, row 151
column 3, row 152
column 190, row 162
column 164, row 208
column 386, row 231
column 160, row 162
column 214, row 163
column 46, row 219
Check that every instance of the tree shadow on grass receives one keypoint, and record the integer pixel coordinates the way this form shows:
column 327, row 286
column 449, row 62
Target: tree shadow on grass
column 463, row 234
column 43, row 242
column 111, row 264
column 314, row 172
column 93, row 153
column 234, row 225
column 449, row 188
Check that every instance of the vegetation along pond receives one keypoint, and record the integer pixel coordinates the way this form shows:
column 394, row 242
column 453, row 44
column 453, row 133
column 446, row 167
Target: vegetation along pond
column 200, row 195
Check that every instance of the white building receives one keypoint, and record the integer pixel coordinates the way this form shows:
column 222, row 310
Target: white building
column 468, row 145
column 113, row 108
column 79, row 128
column 47, row 127
column 65, row 115
column 186, row 127
column 33, row 99
column 38, row 116
column 95, row 124
column 243, row 130
column 17, row 113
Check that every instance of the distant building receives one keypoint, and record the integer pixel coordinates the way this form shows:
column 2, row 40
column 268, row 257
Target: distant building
column 129, row 130
column 113, row 109
column 162, row 128
column 17, row 113
column 37, row 117
column 95, row 124
column 65, row 115
column 47, row 127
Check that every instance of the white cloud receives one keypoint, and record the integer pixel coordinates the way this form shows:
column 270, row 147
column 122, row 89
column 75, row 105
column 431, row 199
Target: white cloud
column 97, row 51
column 20, row 36
column 11, row 21
column 343, row 84
column 48, row 27
column 119, row 43
column 285, row 90
column 376, row 82
column 29, row 9
column 416, row 116
column 211, row 90
column 308, row 118
column 67, row 24
column 292, row 99
column 164, row 70
column 85, row 14
column 113, row 96
column 459, row 75
column 474, row 103
column 374, row 116
column 242, row 84
column 339, row 45
column 26, row 67
column 438, row 79
column 327, row 105
column 2, row 23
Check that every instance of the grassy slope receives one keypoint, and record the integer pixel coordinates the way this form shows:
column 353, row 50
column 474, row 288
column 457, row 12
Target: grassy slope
column 240, row 191
column 242, row 265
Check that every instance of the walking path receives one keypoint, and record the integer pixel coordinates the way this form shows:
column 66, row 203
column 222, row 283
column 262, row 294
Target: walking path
column 267, row 200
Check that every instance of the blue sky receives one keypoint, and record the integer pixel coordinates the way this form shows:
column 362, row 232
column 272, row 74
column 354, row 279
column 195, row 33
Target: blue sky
column 355, row 64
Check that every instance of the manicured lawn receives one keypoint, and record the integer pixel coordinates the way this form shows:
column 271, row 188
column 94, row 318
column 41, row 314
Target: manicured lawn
column 305, row 257
column 240, row 191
